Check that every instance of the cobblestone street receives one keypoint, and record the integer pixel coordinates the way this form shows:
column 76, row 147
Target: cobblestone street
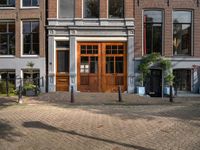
column 143, row 124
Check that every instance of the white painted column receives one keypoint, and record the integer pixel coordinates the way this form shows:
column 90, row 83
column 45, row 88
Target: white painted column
column 73, row 63
column 51, row 64
column 130, row 63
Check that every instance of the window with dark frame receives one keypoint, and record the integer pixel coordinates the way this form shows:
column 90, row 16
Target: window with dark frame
column 153, row 28
column 31, row 37
column 7, row 38
column 116, row 8
column 63, row 61
column 7, row 3
column 30, row 3
column 62, row 56
column 182, row 32
column 182, row 80
column 91, row 8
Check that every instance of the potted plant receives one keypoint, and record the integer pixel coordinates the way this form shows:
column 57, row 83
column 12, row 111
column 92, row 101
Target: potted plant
column 140, row 87
column 169, row 80
column 169, row 77
column 29, row 87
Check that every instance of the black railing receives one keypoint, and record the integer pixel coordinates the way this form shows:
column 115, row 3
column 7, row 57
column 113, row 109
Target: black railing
column 15, row 86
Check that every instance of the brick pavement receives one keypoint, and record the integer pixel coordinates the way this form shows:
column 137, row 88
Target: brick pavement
column 33, row 126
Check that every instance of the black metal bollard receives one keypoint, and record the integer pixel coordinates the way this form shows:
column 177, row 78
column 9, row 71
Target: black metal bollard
column 119, row 94
column 7, row 88
column 20, row 95
column 72, row 94
column 171, row 94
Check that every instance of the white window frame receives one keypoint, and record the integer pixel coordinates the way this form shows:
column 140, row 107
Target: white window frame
column 29, row 7
column 8, row 7
column 10, row 56
column 22, row 41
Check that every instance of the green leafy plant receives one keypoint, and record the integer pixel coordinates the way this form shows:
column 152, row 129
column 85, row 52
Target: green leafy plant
column 30, row 65
column 29, row 86
column 150, row 60
column 11, row 89
column 144, row 67
column 169, row 79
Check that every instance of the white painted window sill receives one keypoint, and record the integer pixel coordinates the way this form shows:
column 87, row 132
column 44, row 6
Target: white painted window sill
column 30, row 56
column 5, row 8
column 29, row 7
column 7, row 56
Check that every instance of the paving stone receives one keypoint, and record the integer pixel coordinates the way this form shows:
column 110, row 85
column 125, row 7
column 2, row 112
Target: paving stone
column 96, row 124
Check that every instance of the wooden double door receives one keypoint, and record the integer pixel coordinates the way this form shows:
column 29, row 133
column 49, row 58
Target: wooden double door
column 101, row 67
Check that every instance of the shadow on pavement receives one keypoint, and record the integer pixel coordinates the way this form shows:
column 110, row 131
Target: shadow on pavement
column 7, row 101
column 186, row 108
column 41, row 125
column 7, row 131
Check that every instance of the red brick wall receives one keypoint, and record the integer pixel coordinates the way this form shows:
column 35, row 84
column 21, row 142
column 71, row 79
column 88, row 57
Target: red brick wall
column 103, row 8
column 129, row 8
column 168, row 33
column 19, row 15
column 78, row 8
column 52, row 8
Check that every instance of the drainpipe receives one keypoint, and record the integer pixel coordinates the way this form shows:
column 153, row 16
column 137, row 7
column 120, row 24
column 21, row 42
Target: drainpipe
column 46, row 46
column 163, row 83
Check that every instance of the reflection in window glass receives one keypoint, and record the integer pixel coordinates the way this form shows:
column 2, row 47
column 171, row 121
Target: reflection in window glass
column 29, row 3
column 63, row 61
column 93, row 64
column 182, row 32
column 62, row 44
column 66, row 9
column 109, row 64
column 182, row 80
column 7, row 3
column 116, row 8
column 84, row 68
column 7, row 74
column 33, row 76
column 119, row 66
column 91, row 8
column 30, row 37
column 152, row 31
column 7, row 38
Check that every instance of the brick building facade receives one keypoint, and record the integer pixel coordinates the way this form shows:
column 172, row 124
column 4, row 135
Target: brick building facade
column 22, row 38
column 97, row 45
column 177, row 23
column 97, row 39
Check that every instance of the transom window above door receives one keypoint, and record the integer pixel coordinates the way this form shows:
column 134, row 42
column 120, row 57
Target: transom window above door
column 30, row 3
column 91, row 8
column 115, row 49
column 89, row 49
column 152, row 31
